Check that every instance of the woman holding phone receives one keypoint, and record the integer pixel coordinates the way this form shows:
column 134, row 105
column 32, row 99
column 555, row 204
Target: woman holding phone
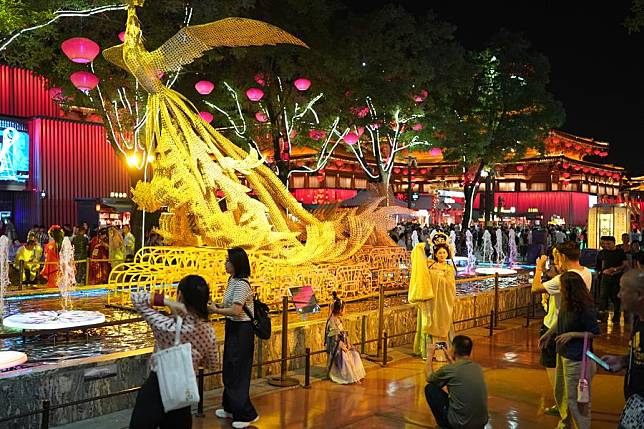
column 575, row 327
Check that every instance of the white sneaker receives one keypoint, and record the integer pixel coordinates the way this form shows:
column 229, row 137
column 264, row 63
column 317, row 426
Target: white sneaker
column 222, row 414
column 241, row 425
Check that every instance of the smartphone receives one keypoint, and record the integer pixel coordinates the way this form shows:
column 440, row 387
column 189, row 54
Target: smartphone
column 596, row 358
column 442, row 345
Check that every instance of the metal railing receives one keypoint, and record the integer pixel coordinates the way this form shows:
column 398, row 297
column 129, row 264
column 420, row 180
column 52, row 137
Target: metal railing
column 381, row 339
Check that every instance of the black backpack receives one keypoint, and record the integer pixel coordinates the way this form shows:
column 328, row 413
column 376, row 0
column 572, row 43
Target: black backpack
column 261, row 320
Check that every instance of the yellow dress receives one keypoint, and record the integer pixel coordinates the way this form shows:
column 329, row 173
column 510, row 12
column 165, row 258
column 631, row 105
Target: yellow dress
column 194, row 164
column 441, row 327
column 420, row 293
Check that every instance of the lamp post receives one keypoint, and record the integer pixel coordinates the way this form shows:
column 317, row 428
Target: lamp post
column 410, row 161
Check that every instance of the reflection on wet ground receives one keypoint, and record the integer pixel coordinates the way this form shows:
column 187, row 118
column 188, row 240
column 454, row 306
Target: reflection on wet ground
column 393, row 397
column 51, row 347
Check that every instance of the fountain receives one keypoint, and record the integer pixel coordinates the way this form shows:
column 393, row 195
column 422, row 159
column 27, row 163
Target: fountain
column 66, row 318
column 452, row 243
column 4, row 270
column 513, row 247
column 500, row 255
column 471, row 259
column 487, row 246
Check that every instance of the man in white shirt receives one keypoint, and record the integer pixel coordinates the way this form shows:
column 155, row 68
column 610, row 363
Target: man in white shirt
column 565, row 258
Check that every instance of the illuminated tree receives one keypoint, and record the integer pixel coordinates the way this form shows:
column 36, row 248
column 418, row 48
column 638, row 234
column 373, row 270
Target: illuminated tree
column 503, row 111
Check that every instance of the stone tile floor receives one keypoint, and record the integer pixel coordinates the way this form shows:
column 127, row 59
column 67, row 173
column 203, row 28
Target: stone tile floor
column 393, row 396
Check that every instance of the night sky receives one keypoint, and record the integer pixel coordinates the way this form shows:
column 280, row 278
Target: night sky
column 597, row 68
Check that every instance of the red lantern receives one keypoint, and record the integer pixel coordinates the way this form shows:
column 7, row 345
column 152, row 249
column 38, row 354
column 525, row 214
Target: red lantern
column 259, row 78
column 351, row 138
column 617, row 176
column 568, row 145
column 577, row 147
column 601, row 173
column 519, row 167
column 321, row 178
column 593, row 171
column 423, row 171
column 435, row 151
column 597, row 151
column 85, row 81
column 417, row 127
column 122, row 36
column 255, row 94
column 204, row 87
column 261, row 117
column 302, row 84
column 339, row 162
column 586, row 169
column 285, row 156
column 80, row 49
column 206, row 116
column 556, row 140
column 577, row 168
column 588, row 150
column 565, row 165
column 413, row 171
column 566, row 175
column 405, row 172
column 360, row 131
column 397, row 170
column 603, row 154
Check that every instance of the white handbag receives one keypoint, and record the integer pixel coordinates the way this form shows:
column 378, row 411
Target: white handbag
column 177, row 380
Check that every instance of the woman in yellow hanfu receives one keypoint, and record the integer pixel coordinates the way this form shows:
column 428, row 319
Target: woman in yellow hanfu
column 193, row 163
column 421, row 294
column 443, row 279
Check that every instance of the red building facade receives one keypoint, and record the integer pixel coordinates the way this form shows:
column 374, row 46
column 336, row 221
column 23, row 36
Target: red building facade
column 67, row 159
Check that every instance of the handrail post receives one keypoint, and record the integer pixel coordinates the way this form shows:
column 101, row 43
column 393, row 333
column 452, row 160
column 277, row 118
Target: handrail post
column 21, row 268
column 491, row 323
column 496, row 299
column 44, row 422
column 381, row 324
column 283, row 380
column 307, row 369
column 200, row 382
column 363, row 333
column 384, row 349
column 87, row 270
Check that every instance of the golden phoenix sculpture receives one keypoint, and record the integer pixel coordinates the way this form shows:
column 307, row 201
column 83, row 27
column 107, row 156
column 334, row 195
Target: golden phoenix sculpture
column 194, row 165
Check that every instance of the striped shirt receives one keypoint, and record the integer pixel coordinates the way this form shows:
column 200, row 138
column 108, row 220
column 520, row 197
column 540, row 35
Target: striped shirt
column 239, row 292
column 195, row 331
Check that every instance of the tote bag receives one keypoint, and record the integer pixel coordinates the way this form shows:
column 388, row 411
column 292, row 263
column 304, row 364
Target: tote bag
column 177, row 380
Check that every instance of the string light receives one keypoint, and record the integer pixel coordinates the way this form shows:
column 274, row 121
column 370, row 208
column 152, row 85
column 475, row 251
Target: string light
column 62, row 14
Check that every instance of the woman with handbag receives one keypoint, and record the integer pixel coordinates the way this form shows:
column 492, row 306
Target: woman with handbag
column 573, row 332
column 192, row 302
column 239, row 341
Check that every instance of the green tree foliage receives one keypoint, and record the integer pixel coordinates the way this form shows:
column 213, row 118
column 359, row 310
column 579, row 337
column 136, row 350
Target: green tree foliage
column 505, row 110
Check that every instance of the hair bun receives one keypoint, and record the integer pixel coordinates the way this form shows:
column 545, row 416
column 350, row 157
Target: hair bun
column 334, row 294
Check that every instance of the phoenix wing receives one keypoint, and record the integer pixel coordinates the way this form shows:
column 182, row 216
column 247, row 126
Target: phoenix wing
column 193, row 41
column 115, row 56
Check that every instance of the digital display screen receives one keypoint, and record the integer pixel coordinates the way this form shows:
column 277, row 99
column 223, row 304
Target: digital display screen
column 14, row 152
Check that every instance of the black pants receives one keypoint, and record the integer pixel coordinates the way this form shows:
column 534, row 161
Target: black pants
column 239, row 348
column 438, row 401
column 148, row 410
column 608, row 291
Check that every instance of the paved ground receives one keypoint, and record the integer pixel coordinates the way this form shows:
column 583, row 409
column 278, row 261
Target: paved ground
column 393, row 397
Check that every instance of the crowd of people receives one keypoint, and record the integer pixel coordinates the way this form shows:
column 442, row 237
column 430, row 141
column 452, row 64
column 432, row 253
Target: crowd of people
column 96, row 252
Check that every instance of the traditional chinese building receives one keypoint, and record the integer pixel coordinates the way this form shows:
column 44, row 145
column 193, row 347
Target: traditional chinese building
column 562, row 183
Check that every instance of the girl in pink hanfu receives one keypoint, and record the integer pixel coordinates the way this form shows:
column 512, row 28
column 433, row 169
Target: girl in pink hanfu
column 344, row 364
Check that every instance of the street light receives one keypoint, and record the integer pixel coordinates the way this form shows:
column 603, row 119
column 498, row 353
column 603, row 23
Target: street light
column 410, row 161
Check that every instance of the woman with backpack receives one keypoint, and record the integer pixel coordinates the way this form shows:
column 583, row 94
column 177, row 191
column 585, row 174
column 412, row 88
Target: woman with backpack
column 239, row 341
